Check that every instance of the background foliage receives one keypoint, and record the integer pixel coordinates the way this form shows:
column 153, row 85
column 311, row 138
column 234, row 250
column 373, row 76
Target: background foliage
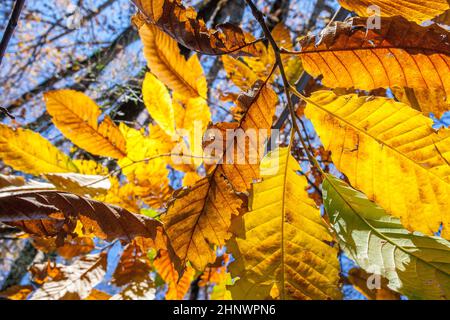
column 98, row 98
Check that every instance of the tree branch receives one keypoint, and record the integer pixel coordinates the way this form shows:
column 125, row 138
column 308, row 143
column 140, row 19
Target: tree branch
column 340, row 15
column 286, row 86
column 20, row 266
column 100, row 57
column 10, row 27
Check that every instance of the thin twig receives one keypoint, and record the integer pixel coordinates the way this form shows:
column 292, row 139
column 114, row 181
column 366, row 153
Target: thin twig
column 7, row 35
column 10, row 27
column 6, row 112
column 300, row 85
column 146, row 160
column 260, row 18
column 108, row 246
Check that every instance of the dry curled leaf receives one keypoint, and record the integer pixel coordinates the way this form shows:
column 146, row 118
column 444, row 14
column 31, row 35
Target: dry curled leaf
column 55, row 213
column 182, row 24
column 347, row 55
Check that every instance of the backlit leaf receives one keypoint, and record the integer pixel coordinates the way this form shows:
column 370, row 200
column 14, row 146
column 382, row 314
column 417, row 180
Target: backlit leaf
column 413, row 10
column 168, row 65
column 241, row 75
column 71, row 248
column 158, row 103
column 349, row 55
column 17, row 292
column 417, row 266
column 80, row 183
column 282, row 241
column 79, row 119
column 144, row 290
column 27, row 151
column 177, row 287
column 427, row 101
column 372, row 286
column 391, row 153
column 77, row 280
column 134, row 266
column 98, row 295
column 199, row 217
column 146, row 164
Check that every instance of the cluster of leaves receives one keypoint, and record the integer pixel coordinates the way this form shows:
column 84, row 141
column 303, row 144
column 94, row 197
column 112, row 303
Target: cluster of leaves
column 389, row 213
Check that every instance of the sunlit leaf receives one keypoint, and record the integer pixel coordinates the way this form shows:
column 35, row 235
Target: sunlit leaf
column 282, row 241
column 391, row 153
column 413, row 10
column 80, row 183
column 77, row 280
column 415, row 265
column 80, row 120
column 158, row 103
column 168, row 65
column 134, row 266
column 199, row 217
column 27, row 151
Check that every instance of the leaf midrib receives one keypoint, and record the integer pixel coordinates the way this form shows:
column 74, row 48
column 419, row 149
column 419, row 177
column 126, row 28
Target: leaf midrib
column 283, row 213
column 165, row 61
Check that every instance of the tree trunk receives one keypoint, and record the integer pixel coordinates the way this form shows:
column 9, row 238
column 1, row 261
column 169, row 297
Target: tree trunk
column 20, row 266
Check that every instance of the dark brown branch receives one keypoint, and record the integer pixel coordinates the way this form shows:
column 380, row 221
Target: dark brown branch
column 340, row 15
column 90, row 16
column 278, row 13
column 286, row 86
column 10, row 27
